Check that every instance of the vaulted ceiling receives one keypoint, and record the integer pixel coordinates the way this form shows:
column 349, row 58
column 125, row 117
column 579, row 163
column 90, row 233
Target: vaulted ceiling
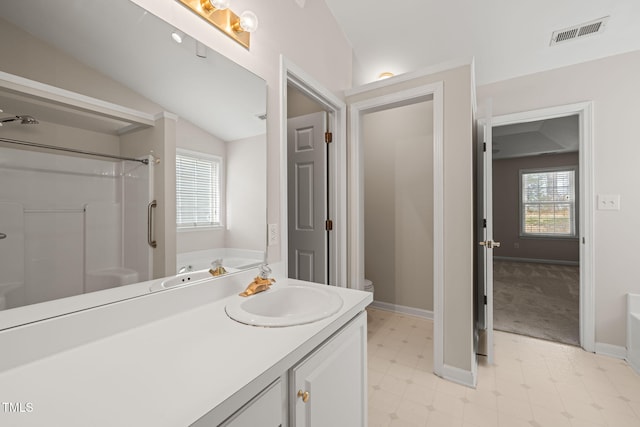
column 507, row 38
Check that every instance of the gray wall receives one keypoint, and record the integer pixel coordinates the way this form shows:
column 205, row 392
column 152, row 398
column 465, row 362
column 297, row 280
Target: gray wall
column 398, row 204
column 506, row 215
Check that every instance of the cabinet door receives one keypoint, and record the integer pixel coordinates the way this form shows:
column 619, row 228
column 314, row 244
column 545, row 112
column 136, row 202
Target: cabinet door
column 329, row 387
column 263, row 410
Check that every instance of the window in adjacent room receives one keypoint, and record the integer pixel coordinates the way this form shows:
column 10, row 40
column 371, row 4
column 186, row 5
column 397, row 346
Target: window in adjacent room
column 548, row 202
column 198, row 201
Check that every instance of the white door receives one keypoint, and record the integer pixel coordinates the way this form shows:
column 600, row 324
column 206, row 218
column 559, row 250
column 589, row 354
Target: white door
column 307, row 197
column 485, row 237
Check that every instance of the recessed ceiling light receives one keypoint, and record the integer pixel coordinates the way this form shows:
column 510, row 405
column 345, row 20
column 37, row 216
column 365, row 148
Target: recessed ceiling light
column 385, row 75
column 177, row 36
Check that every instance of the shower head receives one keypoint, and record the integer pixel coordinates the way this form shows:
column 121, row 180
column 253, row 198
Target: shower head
column 24, row 120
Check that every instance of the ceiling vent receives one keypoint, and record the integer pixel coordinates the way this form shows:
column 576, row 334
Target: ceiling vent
column 577, row 31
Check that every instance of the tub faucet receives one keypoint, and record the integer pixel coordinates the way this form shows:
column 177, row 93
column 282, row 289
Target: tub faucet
column 185, row 268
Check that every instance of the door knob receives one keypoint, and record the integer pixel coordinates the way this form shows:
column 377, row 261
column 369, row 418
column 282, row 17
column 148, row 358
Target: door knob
column 304, row 395
column 489, row 244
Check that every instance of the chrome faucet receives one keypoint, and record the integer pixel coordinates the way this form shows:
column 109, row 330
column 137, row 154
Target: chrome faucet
column 185, row 269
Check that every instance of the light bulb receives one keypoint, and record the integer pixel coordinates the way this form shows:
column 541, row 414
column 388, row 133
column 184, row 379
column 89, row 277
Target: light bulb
column 220, row 4
column 248, row 21
column 213, row 5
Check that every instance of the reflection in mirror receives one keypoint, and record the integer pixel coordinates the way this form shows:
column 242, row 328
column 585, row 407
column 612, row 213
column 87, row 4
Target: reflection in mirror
column 105, row 77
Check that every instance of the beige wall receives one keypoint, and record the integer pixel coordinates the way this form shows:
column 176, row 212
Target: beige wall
column 299, row 104
column 458, row 208
column 398, row 204
column 613, row 86
column 36, row 60
column 246, row 193
column 506, row 211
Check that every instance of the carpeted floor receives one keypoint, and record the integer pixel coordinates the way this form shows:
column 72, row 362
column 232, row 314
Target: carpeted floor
column 537, row 300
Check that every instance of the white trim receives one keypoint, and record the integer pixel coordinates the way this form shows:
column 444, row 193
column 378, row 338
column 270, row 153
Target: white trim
column 294, row 75
column 611, row 350
column 356, row 199
column 73, row 100
column 536, row 260
column 460, row 376
column 400, row 78
column 584, row 110
column 403, row 309
column 165, row 115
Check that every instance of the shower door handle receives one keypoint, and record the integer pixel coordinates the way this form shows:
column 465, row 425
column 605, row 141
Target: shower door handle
column 3, row 236
column 150, row 224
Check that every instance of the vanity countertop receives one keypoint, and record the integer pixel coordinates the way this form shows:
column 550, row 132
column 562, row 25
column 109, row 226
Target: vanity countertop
column 167, row 371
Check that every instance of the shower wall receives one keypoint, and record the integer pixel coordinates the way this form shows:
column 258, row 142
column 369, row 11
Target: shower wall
column 74, row 224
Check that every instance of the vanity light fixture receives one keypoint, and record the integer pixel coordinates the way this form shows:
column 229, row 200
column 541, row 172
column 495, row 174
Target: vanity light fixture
column 218, row 14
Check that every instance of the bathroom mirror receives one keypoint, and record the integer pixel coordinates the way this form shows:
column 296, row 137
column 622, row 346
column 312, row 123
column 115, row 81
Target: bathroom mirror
column 106, row 76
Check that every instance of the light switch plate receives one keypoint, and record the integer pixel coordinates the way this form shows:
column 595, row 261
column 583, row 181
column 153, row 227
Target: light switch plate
column 273, row 235
column 609, row 202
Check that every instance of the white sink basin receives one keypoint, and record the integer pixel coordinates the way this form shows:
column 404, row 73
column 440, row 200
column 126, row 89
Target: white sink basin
column 284, row 306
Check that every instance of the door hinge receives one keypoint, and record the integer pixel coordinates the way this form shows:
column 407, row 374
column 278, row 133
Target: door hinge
column 484, row 146
column 484, row 223
column 485, row 300
column 328, row 137
column 328, row 225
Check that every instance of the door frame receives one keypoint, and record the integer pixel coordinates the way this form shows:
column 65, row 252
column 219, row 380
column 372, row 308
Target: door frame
column 434, row 91
column 291, row 74
column 584, row 111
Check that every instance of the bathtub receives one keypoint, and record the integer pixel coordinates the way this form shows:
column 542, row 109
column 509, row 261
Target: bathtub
column 633, row 331
column 236, row 259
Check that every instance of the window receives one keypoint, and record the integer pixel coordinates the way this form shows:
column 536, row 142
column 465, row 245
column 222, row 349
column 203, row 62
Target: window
column 547, row 205
column 197, row 190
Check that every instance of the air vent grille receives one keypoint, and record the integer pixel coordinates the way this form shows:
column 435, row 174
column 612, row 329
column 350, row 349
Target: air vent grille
column 577, row 31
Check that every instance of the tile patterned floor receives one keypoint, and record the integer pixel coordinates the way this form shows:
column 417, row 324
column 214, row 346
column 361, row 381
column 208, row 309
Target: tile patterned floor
column 534, row 383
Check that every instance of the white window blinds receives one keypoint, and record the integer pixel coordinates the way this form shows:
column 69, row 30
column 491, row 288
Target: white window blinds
column 548, row 203
column 197, row 190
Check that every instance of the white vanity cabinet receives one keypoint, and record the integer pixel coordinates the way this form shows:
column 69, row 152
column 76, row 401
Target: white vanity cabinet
column 329, row 386
column 324, row 388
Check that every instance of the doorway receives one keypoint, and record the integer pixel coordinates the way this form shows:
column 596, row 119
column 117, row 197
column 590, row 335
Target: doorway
column 309, row 141
column 314, row 97
column 536, row 218
column 433, row 91
column 398, row 206
column 584, row 204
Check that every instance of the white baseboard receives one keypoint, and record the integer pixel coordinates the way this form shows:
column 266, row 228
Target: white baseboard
column 418, row 312
column 459, row 376
column 535, row 260
column 611, row 350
